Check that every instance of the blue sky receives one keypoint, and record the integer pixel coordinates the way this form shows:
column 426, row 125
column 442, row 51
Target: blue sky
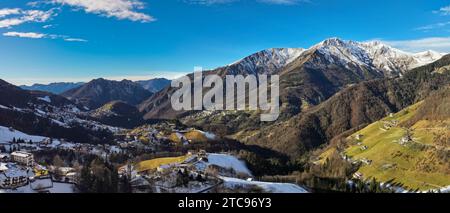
column 45, row 41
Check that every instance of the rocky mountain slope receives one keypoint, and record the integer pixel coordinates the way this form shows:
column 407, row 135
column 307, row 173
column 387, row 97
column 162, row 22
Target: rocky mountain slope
column 264, row 62
column 98, row 92
column 46, row 114
column 118, row 113
column 409, row 148
column 350, row 109
column 308, row 77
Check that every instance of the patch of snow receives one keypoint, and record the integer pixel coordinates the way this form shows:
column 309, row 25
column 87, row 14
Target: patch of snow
column 6, row 135
column 74, row 109
column 40, row 112
column 373, row 55
column 445, row 189
column 266, row 186
column 266, row 60
column 208, row 135
column 427, row 57
column 46, row 99
column 67, row 145
column 4, row 107
column 19, row 109
column 60, row 123
column 224, row 161
column 56, row 187
column 115, row 149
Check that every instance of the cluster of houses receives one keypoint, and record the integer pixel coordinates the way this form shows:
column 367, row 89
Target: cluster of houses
column 358, row 138
column 149, row 137
column 19, row 169
column 146, row 139
column 48, row 143
column 407, row 138
column 176, row 177
column 387, row 125
column 15, row 169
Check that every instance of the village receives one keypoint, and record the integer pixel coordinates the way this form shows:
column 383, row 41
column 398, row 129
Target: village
column 192, row 173
column 23, row 169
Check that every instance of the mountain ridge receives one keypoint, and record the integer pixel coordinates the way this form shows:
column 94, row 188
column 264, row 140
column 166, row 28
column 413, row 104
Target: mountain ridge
column 47, row 114
column 100, row 91
column 351, row 108
column 56, row 88
column 307, row 76
column 154, row 85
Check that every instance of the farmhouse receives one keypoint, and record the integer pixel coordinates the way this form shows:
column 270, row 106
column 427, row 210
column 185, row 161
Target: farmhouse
column 358, row 136
column 357, row 175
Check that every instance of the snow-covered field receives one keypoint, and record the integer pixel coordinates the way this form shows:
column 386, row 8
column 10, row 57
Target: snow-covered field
column 46, row 183
column 445, row 189
column 225, row 161
column 7, row 136
column 208, row 135
column 46, row 99
column 266, row 186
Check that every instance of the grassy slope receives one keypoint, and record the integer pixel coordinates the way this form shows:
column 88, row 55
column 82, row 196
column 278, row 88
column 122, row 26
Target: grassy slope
column 416, row 165
column 193, row 135
column 155, row 163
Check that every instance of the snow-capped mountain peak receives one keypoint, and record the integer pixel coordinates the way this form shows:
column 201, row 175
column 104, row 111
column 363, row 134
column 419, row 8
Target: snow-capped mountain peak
column 374, row 55
column 266, row 61
column 427, row 57
column 342, row 52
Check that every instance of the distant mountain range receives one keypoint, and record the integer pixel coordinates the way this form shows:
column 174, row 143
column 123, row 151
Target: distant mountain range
column 50, row 115
column 152, row 85
column 55, row 88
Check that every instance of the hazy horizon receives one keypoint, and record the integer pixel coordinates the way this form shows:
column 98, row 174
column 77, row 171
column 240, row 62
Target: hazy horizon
column 49, row 41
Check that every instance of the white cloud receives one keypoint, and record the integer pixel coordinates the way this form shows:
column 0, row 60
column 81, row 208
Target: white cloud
column 444, row 10
column 42, row 35
column 120, row 9
column 283, row 2
column 16, row 16
column 214, row 2
column 24, row 35
column 433, row 26
column 9, row 11
column 439, row 44
column 75, row 40
column 209, row 2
